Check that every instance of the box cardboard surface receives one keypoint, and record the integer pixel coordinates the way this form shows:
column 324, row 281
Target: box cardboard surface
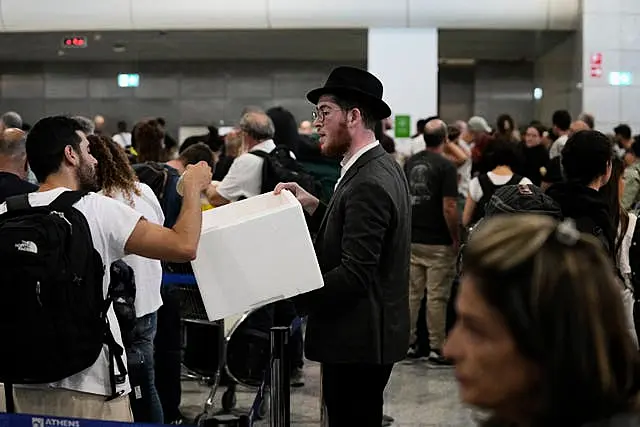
column 254, row 252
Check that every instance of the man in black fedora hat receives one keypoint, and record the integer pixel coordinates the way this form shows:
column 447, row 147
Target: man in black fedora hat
column 359, row 321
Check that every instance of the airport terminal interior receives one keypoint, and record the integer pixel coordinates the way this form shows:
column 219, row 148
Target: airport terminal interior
column 328, row 213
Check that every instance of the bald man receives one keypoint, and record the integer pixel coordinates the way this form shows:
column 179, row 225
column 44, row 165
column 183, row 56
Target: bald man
column 98, row 124
column 305, row 128
column 577, row 126
column 13, row 164
column 244, row 178
column 433, row 184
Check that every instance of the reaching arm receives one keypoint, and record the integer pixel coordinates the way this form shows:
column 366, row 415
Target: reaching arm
column 214, row 197
column 178, row 244
column 469, row 209
column 455, row 154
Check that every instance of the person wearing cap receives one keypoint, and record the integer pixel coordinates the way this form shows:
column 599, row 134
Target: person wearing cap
column 478, row 136
column 358, row 323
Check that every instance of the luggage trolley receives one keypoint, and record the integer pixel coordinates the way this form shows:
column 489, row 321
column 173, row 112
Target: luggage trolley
column 232, row 344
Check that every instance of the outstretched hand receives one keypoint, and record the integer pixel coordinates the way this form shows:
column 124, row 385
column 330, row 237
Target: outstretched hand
column 308, row 201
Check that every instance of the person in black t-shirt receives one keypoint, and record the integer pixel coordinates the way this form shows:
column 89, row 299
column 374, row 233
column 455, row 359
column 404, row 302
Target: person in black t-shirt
column 433, row 184
column 13, row 164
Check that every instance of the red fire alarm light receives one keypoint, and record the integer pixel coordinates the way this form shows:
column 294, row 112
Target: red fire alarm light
column 74, row 42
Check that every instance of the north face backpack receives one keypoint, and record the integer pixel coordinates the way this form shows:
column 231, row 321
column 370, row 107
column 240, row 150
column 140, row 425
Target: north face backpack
column 279, row 166
column 53, row 320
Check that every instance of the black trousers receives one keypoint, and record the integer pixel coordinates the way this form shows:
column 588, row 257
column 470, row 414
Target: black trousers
column 168, row 355
column 353, row 393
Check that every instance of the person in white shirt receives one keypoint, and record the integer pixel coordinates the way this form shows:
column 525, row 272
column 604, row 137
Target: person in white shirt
column 123, row 137
column 244, row 178
column 116, row 179
column 58, row 152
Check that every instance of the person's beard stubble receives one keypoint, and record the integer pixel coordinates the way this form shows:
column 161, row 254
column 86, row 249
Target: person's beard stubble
column 339, row 143
column 86, row 176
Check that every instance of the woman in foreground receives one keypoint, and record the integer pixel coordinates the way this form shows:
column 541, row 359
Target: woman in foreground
column 541, row 338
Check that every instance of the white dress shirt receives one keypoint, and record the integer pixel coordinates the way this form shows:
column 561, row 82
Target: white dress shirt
column 347, row 162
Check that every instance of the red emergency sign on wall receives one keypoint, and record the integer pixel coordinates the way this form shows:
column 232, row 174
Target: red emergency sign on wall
column 596, row 65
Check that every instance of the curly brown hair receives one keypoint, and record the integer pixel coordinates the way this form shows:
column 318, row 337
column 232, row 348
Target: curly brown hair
column 113, row 171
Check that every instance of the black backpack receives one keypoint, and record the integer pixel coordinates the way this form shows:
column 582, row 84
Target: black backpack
column 122, row 291
column 53, row 320
column 488, row 189
column 279, row 166
column 156, row 176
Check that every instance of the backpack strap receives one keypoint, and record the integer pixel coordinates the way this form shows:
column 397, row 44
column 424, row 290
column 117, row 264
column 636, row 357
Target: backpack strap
column 66, row 200
column 19, row 202
column 515, row 180
column 488, row 188
column 264, row 184
column 260, row 153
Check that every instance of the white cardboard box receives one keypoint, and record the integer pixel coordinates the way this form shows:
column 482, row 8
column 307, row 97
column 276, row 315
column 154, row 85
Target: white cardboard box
column 254, row 252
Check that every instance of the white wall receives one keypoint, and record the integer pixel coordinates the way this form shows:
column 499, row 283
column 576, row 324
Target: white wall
column 558, row 73
column 406, row 61
column 611, row 28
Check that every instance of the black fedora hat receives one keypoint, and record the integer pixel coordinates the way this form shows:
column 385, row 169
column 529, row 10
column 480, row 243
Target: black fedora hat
column 357, row 84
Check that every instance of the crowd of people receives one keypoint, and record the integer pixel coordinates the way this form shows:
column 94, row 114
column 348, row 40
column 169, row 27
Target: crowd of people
column 521, row 243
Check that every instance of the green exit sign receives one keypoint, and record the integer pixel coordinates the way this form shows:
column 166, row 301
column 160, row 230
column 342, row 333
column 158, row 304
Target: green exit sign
column 403, row 126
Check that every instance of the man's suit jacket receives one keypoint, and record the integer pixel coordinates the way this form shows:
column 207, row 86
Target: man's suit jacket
column 361, row 315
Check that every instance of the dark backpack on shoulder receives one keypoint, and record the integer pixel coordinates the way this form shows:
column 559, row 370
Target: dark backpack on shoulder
column 53, row 320
column 156, row 176
column 279, row 166
column 488, row 189
column 122, row 291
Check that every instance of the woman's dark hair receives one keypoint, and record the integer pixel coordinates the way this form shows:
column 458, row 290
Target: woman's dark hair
column 505, row 125
column 503, row 153
column 619, row 216
column 453, row 133
column 635, row 147
column 538, row 127
column 558, row 295
column 113, row 171
column 286, row 129
column 146, row 138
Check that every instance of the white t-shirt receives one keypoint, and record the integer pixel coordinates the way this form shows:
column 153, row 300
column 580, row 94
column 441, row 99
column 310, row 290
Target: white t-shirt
column 623, row 257
column 244, row 178
column 558, row 145
column 111, row 223
column 417, row 145
column 464, row 171
column 123, row 139
column 475, row 190
column 148, row 272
